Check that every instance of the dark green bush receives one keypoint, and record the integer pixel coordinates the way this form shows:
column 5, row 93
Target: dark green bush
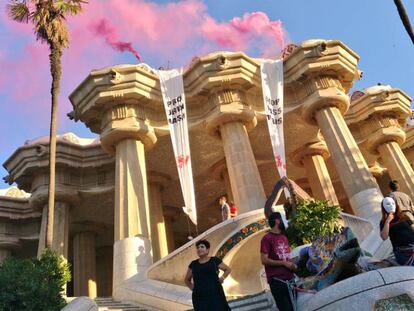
column 33, row 284
column 311, row 219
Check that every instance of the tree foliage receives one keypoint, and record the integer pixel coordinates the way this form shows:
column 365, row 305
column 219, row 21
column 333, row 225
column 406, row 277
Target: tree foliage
column 33, row 284
column 312, row 219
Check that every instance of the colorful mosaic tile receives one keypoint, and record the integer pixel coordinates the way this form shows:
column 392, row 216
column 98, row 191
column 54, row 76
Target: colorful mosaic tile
column 241, row 235
column 400, row 303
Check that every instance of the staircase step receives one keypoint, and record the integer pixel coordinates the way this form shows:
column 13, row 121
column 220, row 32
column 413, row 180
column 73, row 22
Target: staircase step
column 258, row 302
column 109, row 304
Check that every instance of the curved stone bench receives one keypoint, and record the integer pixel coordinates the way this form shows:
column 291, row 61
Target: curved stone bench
column 381, row 289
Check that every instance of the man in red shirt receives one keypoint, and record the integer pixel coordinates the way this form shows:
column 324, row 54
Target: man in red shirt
column 275, row 256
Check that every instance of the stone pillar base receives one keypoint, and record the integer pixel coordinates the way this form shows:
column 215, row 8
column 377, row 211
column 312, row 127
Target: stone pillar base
column 132, row 257
column 367, row 205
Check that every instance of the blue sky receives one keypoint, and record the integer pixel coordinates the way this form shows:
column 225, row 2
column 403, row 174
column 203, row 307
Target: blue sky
column 372, row 28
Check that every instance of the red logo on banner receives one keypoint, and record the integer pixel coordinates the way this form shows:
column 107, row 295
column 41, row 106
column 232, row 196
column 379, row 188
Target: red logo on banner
column 279, row 162
column 182, row 160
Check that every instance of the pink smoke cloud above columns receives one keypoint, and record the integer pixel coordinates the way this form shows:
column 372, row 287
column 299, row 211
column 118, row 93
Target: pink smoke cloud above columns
column 172, row 32
column 241, row 33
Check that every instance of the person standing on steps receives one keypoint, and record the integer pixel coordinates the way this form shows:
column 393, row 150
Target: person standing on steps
column 203, row 279
column 401, row 199
column 225, row 208
column 275, row 257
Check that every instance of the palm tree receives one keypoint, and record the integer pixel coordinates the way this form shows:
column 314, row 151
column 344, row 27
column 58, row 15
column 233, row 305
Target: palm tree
column 48, row 19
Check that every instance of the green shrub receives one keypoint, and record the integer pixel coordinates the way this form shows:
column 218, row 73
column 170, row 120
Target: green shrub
column 311, row 219
column 33, row 284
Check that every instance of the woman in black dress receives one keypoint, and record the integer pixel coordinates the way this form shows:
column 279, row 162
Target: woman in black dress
column 208, row 293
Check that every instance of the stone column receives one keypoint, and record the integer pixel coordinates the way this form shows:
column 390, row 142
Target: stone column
column 398, row 166
column 381, row 113
column 60, row 229
column 222, row 174
column 7, row 245
column 131, row 198
column 42, row 234
column 360, row 186
column 231, row 119
column 127, row 134
column 312, row 158
column 169, row 214
column 84, row 264
column 158, row 232
column 4, row 253
column 104, row 270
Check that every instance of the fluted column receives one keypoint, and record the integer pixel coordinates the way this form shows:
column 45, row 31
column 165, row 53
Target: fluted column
column 7, row 245
column 312, row 158
column 60, row 229
column 131, row 198
column 84, row 264
column 42, row 235
column 120, row 104
column 231, row 119
column 222, row 174
column 169, row 214
column 127, row 134
column 360, row 186
column 381, row 113
column 398, row 166
column 104, row 270
column 4, row 253
column 158, row 230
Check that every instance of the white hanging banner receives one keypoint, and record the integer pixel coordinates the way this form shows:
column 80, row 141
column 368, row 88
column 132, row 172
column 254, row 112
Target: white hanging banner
column 172, row 88
column 272, row 86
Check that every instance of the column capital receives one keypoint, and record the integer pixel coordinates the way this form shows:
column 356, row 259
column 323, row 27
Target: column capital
column 63, row 194
column 157, row 178
column 229, row 106
column 126, row 121
column 381, row 112
column 322, row 92
column 10, row 243
column 320, row 73
column 377, row 170
column 382, row 135
column 171, row 211
column 309, row 150
column 87, row 226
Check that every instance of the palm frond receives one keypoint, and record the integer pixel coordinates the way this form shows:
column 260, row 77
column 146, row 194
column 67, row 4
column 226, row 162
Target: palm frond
column 71, row 7
column 18, row 11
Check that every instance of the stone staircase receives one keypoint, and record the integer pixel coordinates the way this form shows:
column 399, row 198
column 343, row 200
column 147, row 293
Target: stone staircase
column 259, row 302
column 109, row 304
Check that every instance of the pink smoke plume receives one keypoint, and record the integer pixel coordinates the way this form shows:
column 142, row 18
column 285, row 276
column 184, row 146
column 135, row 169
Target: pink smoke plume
column 241, row 33
column 106, row 30
column 172, row 31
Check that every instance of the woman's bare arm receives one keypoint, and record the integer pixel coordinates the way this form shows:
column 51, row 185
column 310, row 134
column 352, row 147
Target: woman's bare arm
column 226, row 269
column 188, row 278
